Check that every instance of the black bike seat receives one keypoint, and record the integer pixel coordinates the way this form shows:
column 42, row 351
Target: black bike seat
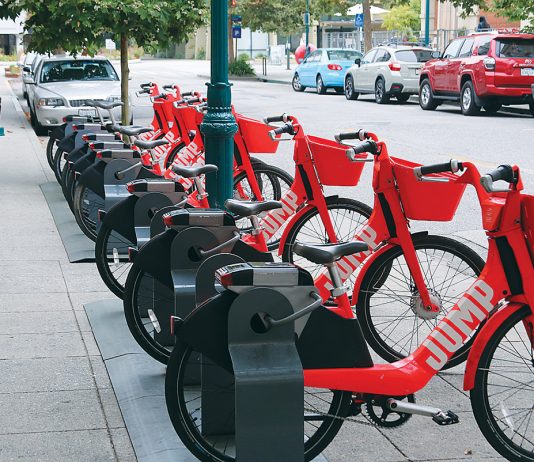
column 328, row 253
column 192, row 172
column 249, row 208
column 150, row 144
column 103, row 104
column 131, row 131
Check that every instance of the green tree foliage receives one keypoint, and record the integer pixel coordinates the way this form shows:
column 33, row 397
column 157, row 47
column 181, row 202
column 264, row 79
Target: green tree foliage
column 516, row 10
column 80, row 25
column 404, row 17
column 285, row 17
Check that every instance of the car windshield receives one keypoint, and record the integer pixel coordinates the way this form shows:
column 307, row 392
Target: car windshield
column 515, row 48
column 83, row 69
column 413, row 56
column 343, row 55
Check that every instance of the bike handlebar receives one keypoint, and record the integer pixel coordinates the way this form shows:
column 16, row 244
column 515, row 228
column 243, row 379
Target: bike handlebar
column 286, row 128
column 168, row 87
column 502, row 172
column 193, row 100
column 368, row 146
column 188, row 93
column 281, row 118
column 361, row 135
column 161, row 96
column 144, row 91
column 146, row 85
column 452, row 166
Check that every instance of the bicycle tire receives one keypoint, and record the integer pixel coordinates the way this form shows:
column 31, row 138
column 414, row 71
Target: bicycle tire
column 480, row 398
column 65, row 176
column 136, row 325
column 337, row 402
column 273, row 183
column 59, row 163
column 113, row 278
column 375, row 282
column 83, row 214
column 50, row 151
column 314, row 233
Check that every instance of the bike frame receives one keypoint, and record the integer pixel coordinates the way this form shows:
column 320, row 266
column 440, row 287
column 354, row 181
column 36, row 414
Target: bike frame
column 494, row 295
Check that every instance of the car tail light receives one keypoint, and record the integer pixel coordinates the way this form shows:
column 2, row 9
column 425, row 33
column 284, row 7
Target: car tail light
column 394, row 66
column 334, row 67
column 489, row 63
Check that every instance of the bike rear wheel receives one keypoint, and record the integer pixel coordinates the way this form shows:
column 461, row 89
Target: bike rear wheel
column 86, row 204
column 111, row 254
column 144, row 300
column 503, row 395
column 389, row 308
column 323, row 415
column 59, row 164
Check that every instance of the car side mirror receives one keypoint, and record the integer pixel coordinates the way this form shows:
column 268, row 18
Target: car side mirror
column 436, row 55
column 28, row 80
column 27, row 69
column 358, row 62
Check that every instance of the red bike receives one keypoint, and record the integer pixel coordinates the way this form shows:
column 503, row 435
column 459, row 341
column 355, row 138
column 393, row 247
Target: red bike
column 340, row 377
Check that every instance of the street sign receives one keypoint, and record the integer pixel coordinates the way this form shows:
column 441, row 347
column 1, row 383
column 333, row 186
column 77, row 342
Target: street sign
column 358, row 20
column 110, row 45
column 236, row 32
column 236, row 18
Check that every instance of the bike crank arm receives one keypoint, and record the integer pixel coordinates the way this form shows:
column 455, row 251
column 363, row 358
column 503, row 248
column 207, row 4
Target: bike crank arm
column 438, row 416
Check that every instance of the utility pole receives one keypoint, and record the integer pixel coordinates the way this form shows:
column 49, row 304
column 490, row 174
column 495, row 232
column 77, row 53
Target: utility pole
column 427, row 23
column 219, row 125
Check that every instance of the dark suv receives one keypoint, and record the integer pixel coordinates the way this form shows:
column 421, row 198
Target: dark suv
column 481, row 70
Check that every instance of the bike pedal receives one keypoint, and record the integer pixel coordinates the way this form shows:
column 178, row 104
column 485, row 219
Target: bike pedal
column 446, row 418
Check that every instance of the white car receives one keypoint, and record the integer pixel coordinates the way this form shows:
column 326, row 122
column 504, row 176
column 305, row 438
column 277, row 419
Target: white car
column 60, row 86
column 28, row 64
column 387, row 71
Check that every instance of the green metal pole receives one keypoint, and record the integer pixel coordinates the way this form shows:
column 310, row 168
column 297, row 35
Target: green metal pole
column 427, row 23
column 307, row 26
column 219, row 125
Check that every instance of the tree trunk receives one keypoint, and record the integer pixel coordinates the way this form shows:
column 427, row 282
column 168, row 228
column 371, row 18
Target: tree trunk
column 367, row 32
column 125, row 75
column 231, row 54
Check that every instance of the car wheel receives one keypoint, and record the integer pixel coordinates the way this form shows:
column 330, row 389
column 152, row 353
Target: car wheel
column 349, row 89
column 321, row 89
column 492, row 108
column 403, row 97
column 426, row 97
column 37, row 127
column 297, row 86
column 467, row 100
column 381, row 97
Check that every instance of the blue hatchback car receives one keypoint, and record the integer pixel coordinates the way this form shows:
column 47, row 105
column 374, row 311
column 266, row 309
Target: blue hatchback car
column 324, row 68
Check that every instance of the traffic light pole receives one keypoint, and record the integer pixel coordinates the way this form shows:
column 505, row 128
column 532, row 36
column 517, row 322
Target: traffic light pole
column 219, row 125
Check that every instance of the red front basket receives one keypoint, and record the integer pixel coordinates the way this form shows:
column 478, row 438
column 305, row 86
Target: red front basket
column 422, row 200
column 256, row 135
column 331, row 163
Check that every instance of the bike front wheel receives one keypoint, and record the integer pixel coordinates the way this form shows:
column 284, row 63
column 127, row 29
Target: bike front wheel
column 391, row 314
column 86, row 204
column 324, row 410
column 503, row 395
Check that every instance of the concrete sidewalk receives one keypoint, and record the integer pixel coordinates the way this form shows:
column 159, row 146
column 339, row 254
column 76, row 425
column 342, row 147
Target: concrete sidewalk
column 56, row 399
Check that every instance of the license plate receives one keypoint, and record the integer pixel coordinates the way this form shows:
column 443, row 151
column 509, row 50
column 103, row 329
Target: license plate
column 87, row 112
column 527, row 71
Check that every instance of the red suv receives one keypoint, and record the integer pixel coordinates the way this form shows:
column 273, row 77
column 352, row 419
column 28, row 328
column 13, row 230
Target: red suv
column 481, row 70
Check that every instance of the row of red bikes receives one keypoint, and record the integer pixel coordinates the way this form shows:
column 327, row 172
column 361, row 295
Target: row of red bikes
column 356, row 276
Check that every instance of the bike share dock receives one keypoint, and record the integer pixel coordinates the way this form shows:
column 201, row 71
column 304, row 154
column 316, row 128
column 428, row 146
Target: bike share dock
column 68, row 397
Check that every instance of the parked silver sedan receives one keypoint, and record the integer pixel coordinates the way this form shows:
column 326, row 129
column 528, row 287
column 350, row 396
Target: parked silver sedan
column 60, row 86
column 387, row 71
